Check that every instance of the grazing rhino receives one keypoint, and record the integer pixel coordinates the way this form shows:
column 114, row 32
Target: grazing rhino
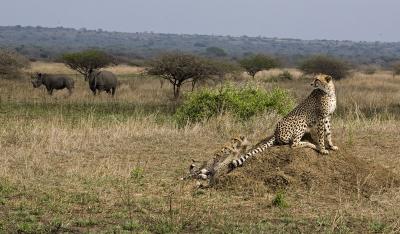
column 53, row 82
column 102, row 80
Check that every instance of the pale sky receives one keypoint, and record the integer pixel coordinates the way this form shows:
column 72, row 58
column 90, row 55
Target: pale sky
column 358, row 20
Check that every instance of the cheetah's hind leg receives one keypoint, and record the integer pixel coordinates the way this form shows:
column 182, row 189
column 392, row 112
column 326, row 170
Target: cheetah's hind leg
column 297, row 143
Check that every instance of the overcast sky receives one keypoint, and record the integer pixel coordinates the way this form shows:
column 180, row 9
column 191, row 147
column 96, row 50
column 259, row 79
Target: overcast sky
column 358, row 20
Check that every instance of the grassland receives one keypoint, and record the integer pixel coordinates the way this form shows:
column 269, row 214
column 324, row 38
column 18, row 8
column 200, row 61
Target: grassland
column 101, row 164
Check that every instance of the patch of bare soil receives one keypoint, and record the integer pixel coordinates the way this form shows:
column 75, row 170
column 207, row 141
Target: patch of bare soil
column 283, row 168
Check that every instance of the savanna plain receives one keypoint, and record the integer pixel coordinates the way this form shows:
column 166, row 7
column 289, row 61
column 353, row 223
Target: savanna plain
column 85, row 163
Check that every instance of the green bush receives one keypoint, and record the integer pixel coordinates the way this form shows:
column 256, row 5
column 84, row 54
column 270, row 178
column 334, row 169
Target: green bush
column 243, row 103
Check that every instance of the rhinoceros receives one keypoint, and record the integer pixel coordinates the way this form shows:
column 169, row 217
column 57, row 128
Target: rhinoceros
column 53, row 82
column 102, row 80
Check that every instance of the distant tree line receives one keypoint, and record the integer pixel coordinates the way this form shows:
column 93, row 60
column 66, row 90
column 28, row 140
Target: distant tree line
column 40, row 43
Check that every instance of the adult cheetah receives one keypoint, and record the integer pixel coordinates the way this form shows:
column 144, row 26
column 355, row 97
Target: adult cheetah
column 312, row 115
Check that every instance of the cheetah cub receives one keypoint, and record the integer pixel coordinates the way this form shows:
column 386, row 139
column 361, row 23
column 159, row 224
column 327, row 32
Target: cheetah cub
column 221, row 160
column 312, row 115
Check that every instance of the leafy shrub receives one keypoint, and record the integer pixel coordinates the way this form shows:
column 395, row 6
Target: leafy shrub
column 243, row 103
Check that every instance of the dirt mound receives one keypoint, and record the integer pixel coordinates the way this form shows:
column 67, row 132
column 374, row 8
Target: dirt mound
column 283, row 168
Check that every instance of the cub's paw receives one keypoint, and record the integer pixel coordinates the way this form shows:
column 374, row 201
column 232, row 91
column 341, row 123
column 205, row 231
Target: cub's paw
column 324, row 151
column 334, row 147
column 203, row 176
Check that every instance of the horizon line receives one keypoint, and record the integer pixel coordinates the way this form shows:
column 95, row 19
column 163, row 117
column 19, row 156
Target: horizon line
column 198, row 34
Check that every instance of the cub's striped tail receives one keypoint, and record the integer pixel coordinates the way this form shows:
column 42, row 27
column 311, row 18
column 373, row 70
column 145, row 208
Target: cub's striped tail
column 239, row 162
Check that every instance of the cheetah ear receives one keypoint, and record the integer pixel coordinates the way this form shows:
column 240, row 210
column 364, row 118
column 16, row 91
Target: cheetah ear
column 233, row 140
column 328, row 78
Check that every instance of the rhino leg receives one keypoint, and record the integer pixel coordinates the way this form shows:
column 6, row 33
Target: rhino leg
column 113, row 91
column 50, row 91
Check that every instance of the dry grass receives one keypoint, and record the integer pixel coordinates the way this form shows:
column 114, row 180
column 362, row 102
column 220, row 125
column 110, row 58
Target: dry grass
column 60, row 68
column 274, row 72
column 97, row 164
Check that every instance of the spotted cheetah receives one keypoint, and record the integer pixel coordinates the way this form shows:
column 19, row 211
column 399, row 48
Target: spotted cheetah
column 221, row 160
column 311, row 115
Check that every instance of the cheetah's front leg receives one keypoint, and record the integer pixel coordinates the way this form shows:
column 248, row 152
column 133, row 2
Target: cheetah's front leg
column 328, row 135
column 321, row 137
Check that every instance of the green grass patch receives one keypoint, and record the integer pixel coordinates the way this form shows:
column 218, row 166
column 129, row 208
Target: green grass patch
column 280, row 200
column 131, row 225
column 377, row 227
column 5, row 188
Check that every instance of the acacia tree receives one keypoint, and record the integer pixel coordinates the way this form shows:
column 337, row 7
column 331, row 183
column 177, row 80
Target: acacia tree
column 334, row 67
column 84, row 61
column 179, row 68
column 11, row 63
column 258, row 62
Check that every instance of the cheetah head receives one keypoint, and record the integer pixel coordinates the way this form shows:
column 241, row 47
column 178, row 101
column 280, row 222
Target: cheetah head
column 324, row 83
column 240, row 143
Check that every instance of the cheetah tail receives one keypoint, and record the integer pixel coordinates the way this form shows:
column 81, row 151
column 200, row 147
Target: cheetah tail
column 239, row 162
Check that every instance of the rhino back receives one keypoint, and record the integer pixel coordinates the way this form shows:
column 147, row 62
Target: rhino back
column 57, row 82
column 107, row 79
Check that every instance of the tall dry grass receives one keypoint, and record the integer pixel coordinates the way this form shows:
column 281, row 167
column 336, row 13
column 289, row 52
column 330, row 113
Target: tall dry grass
column 60, row 68
column 102, row 164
